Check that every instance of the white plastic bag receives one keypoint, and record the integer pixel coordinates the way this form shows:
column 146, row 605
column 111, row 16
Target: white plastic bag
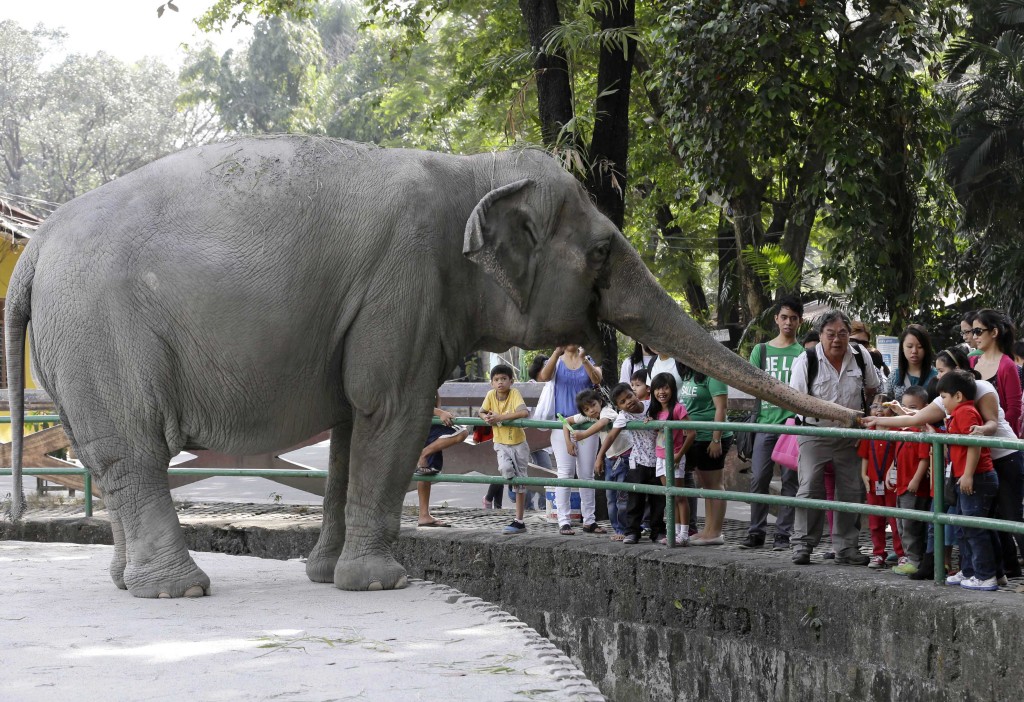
column 545, row 409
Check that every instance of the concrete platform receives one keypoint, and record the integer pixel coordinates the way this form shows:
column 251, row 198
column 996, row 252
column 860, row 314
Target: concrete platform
column 266, row 633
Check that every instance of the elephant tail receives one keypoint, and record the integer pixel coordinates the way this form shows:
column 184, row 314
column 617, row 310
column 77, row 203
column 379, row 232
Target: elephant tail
column 17, row 312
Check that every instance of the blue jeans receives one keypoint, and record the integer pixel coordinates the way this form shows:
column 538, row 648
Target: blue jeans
column 979, row 547
column 615, row 470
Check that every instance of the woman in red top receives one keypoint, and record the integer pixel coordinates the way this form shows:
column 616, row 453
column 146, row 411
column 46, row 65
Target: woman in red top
column 993, row 333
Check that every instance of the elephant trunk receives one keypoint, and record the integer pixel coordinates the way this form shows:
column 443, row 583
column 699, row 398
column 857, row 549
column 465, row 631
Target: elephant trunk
column 637, row 305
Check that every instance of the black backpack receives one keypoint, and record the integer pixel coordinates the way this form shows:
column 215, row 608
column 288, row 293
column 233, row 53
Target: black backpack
column 812, row 372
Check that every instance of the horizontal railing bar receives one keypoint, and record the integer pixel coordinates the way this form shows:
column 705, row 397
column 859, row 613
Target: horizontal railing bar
column 34, row 419
column 827, row 432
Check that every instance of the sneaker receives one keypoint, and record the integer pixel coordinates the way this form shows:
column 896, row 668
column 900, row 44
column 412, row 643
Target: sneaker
column 906, row 568
column 876, row 563
column 973, row 583
column 956, row 579
column 514, row 528
column 630, row 539
column 781, row 543
column 645, row 531
column 802, row 558
column 488, row 504
column 856, row 558
column 1002, row 581
column 426, row 471
column 752, row 541
column 829, row 555
column 892, row 559
column 663, row 540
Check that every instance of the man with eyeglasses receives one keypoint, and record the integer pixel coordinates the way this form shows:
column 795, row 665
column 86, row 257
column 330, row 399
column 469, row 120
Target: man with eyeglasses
column 834, row 373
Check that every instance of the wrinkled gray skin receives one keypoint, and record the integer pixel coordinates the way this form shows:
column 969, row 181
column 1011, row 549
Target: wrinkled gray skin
column 246, row 295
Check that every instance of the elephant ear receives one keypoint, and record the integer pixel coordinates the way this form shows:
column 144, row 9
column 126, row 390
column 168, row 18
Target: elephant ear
column 502, row 236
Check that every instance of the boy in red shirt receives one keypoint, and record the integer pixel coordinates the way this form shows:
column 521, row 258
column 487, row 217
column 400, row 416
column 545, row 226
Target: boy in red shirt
column 877, row 459
column 913, row 487
column 977, row 485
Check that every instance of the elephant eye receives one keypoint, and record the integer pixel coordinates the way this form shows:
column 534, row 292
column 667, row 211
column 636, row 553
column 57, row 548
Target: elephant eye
column 598, row 255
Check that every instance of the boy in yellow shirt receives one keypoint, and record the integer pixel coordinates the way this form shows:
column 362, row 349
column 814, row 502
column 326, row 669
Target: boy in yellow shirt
column 502, row 404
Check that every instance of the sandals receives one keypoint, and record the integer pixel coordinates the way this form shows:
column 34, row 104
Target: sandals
column 566, row 530
column 595, row 528
column 618, row 537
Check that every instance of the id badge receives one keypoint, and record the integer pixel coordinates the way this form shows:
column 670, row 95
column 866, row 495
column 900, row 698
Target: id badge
column 949, row 469
column 879, row 488
column 892, row 475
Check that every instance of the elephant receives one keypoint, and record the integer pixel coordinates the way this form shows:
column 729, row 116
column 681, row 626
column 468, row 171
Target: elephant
column 246, row 295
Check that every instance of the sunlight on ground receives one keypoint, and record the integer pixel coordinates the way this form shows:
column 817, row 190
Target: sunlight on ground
column 168, row 651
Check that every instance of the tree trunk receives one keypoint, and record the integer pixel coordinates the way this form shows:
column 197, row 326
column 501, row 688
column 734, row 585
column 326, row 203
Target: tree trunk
column 554, row 90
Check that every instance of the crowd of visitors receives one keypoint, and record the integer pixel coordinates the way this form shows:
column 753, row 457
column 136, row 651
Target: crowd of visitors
column 974, row 388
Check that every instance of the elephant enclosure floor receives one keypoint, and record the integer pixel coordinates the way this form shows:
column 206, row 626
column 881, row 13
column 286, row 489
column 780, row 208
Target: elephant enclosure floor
column 266, row 633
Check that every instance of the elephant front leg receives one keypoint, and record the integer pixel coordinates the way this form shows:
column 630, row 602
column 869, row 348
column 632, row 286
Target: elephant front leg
column 324, row 556
column 385, row 446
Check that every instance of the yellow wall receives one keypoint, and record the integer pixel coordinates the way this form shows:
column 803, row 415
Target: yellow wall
column 8, row 258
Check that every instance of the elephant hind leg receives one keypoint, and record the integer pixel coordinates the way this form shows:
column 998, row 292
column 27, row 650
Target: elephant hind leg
column 324, row 556
column 134, row 480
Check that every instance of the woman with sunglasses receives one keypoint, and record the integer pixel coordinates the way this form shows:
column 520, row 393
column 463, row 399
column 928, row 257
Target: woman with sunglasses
column 993, row 335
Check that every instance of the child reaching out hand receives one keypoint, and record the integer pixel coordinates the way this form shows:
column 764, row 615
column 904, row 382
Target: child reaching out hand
column 879, row 476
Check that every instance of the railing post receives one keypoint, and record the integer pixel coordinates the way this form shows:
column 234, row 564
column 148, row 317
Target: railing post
column 938, row 507
column 87, row 486
column 670, row 481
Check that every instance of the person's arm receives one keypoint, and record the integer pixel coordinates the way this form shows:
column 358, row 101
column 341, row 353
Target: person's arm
column 485, row 412
column 1009, row 382
column 568, row 436
column 548, row 371
column 919, row 474
column 864, row 476
column 691, row 436
column 988, row 406
column 593, row 372
column 871, row 377
column 609, row 439
column 596, row 427
column 971, row 464
column 929, row 415
column 715, row 448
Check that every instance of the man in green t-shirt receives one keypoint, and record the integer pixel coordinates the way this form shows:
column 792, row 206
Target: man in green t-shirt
column 775, row 358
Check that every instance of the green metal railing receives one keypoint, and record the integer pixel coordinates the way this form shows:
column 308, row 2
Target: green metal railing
column 936, row 516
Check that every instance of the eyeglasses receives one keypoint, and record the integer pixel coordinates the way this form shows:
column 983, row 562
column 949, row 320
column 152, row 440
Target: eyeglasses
column 978, row 331
column 834, row 335
column 964, row 333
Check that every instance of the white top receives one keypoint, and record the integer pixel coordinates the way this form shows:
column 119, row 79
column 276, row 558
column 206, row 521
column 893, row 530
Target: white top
column 644, row 440
column 627, row 370
column 666, row 366
column 623, row 442
column 842, row 387
column 1003, row 430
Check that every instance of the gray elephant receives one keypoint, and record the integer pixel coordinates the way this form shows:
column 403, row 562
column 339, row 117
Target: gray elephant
column 246, row 295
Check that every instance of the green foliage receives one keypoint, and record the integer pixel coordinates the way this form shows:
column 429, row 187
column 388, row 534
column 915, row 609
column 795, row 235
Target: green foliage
column 238, row 12
column 71, row 127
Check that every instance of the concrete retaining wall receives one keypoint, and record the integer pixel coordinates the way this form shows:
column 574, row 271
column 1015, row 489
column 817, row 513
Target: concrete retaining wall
column 693, row 624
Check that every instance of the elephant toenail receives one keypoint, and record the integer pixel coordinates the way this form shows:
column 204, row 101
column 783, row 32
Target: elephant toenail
column 165, row 596
column 195, row 591
column 375, row 585
column 402, row 582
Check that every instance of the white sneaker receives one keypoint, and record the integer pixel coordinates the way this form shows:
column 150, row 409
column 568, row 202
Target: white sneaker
column 1001, row 581
column 973, row 583
column 956, row 579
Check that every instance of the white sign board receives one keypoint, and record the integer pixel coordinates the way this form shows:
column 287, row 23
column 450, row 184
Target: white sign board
column 890, row 347
column 721, row 335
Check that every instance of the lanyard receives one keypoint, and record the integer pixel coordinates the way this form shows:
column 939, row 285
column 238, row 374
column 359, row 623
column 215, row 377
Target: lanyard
column 880, row 472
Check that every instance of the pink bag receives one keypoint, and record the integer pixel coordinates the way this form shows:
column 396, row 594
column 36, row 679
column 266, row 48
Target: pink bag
column 787, row 451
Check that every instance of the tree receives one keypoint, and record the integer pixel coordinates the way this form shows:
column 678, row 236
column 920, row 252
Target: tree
column 782, row 113
column 83, row 122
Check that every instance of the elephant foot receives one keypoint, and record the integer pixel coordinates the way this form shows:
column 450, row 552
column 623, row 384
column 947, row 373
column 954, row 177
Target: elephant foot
column 167, row 581
column 117, row 567
column 370, row 573
column 322, row 563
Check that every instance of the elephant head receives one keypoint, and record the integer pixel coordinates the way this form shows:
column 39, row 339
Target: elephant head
column 563, row 266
